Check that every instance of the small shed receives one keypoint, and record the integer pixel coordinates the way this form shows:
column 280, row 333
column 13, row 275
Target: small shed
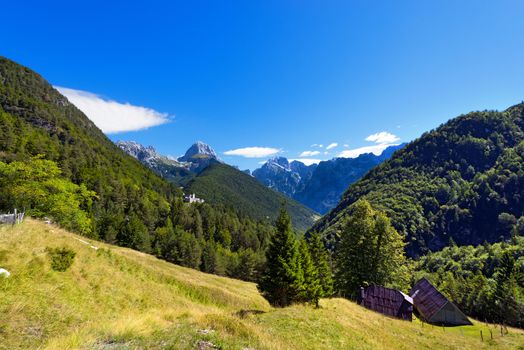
column 387, row 301
column 435, row 308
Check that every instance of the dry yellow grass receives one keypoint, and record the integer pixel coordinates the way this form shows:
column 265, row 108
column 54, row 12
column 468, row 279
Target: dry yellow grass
column 116, row 298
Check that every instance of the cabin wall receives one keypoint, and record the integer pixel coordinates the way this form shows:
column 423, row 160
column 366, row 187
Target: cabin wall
column 450, row 315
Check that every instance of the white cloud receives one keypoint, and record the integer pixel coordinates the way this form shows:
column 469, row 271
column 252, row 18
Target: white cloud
column 309, row 154
column 346, row 145
column 383, row 137
column 319, row 145
column 113, row 117
column 306, row 161
column 253, row 152
column 375, row 149
column 332, row 145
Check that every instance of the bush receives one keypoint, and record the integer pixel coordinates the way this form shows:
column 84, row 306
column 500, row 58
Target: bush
column 61, row 258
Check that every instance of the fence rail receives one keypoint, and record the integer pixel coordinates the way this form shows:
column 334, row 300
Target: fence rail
column 12, row 219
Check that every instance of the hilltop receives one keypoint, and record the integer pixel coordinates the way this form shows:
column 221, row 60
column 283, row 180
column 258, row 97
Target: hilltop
column 117, row 298
column 462, row 181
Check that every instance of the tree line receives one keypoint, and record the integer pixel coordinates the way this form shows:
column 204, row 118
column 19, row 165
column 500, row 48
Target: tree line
column 370, row 251
column 486, row 281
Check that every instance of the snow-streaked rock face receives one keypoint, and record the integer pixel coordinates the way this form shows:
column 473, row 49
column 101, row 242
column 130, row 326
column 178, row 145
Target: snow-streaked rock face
column 138, row 151
column 166, row 167
column 280, row 175
column 318, row 186
column 198, row 157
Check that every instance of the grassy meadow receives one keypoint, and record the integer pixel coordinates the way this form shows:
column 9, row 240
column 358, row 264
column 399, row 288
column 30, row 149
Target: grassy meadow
column 117, row 298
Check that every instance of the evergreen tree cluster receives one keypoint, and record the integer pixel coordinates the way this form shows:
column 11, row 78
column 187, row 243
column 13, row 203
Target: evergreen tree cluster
column 370, row 251
column 296, row 271
column 486, row 281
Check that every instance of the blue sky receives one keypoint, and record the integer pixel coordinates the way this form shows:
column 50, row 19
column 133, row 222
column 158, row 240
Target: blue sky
column 281, row 74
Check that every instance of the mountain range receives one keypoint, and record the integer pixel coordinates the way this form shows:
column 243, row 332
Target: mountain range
column 200, row 171
column 318, row 186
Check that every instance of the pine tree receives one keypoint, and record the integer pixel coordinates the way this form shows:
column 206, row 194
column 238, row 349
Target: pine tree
column 311, row 289
column 370, row 251
column 281, row 281
column 320, row 258
column 508, row 303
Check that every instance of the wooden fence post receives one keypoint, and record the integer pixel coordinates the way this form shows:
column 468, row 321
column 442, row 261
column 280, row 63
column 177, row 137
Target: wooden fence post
column 481, row 336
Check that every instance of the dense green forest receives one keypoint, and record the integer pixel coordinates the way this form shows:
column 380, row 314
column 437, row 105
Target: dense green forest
column 55, row 162
column 486, row 281
column 223, row 184
column 463, row 181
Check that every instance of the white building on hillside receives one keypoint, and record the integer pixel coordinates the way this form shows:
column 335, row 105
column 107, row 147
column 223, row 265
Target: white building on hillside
column 192, row 198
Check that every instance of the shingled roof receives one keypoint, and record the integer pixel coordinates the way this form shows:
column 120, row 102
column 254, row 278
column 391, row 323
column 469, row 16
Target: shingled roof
column 434, row 307
column 387, row 301
column 427, row 298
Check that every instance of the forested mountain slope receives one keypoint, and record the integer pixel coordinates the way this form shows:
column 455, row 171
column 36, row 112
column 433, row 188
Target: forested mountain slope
column 220, row 183
column 55, row 162
column 463, row 180
column 118, row 298
column 223, row 184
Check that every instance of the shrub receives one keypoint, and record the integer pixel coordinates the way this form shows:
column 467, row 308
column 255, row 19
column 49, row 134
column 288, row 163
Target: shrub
column 61, row 258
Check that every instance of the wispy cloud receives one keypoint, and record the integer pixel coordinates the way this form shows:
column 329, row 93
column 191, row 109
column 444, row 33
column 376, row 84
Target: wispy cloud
column 113, row 117
column 353, row 153
column 332, row 145
column 382, row 141
column 309, row 154
column 383, row 137
column 253, row 152
column 306, row 161
column 319, row 145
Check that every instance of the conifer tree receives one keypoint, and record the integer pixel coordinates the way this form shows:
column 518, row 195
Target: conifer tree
column 281, row 281
column 370, row 251
column 311, row 290
column 320, row 258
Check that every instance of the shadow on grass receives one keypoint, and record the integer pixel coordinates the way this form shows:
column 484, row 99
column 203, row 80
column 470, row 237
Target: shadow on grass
column 246, row 313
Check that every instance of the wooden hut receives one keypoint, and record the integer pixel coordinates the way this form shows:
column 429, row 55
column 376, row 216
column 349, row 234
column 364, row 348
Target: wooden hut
column 387, row 301
column 435, row 308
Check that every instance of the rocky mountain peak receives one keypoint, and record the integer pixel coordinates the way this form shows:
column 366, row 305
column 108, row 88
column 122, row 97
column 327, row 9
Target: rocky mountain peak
column 138, row 151
column 199, row 150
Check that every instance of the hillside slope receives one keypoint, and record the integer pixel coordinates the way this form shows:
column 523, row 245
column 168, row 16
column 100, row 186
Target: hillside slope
column 117, row 298
column 223, row 184
column 56, row 163
column 463, row 180
column 35, row 119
